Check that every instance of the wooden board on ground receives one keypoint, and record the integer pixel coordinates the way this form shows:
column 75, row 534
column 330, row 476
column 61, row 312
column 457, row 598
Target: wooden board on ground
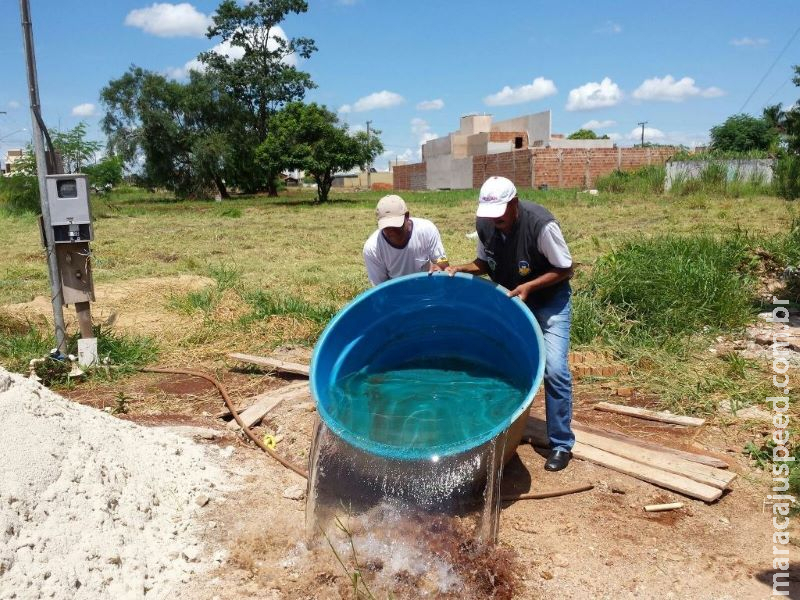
column 537, row 432
column 703, row 459
column 272, row 363
column 650, row 415
column 263, row 403
column 661, row 460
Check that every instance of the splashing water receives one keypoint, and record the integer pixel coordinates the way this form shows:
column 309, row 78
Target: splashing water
column 441, row 428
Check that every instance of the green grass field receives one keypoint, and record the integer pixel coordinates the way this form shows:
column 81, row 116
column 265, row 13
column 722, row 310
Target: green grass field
column 290, row 246
column 658, row 275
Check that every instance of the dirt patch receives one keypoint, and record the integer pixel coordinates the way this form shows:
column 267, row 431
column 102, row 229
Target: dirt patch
column 136, row 306
column 599, row 544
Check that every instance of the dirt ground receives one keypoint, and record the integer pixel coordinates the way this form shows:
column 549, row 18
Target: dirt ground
column 597, row 544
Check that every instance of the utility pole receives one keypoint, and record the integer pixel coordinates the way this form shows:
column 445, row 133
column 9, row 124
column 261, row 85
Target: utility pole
column 642, row 123
column 369, row 165
column 41, row 171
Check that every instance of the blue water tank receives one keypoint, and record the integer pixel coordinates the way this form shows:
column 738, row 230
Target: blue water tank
column 421, row 318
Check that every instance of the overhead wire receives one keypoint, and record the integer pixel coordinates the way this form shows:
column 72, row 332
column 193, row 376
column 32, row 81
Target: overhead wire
column 786, row 47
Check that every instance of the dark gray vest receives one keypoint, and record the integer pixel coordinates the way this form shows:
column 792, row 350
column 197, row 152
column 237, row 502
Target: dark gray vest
column 516, row 259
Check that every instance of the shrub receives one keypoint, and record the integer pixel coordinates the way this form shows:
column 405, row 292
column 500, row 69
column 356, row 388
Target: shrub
column 787, row 176
column 645, row 180
column 674, row 285
column 20, row 193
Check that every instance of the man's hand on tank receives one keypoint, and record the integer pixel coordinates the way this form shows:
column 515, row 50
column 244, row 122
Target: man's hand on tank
column 521, row 292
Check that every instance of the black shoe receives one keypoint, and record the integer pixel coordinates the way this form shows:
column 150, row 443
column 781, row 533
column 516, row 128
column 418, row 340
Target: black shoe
column 557, row 460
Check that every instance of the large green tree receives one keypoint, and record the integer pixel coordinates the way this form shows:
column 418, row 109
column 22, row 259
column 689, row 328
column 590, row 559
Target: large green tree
column 259, row 74
column 743, row 133
column 176, row 133
column 310, row 137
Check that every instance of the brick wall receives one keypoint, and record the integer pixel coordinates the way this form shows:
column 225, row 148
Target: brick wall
column 410, row 177
column 554, row 167
column 516, row 165
column 509, row 136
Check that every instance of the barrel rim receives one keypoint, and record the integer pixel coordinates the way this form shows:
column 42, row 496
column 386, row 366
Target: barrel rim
column 393, row 452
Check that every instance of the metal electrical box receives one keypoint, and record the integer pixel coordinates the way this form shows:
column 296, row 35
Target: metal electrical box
column 70, row 215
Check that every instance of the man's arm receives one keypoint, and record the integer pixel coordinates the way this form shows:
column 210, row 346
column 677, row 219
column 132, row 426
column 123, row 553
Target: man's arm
column 544, row 280
column 437, row 255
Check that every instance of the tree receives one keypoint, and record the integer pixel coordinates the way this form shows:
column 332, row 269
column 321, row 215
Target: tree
column 310, row 137
column 582, row 134
column 743, row 133
column 261, row 80
column 177, row 132
column 106, row 172
column 74, row 148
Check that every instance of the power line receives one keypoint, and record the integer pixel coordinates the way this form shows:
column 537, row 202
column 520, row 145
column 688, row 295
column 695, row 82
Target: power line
column 791, row 39
column 766, row 102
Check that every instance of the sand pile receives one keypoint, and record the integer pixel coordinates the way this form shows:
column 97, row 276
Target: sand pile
column 92, row 506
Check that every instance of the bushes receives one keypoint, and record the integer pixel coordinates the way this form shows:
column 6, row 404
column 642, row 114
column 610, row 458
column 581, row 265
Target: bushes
column 646, row 180
column 787, row 176
column 20, row 193
column 652, row 289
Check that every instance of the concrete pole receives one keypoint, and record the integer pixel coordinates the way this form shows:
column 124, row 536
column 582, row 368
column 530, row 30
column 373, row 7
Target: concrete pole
column 369, row 166
column 41, row 171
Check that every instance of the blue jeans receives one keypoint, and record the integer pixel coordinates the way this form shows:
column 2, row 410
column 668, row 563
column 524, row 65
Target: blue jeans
column 555, row 318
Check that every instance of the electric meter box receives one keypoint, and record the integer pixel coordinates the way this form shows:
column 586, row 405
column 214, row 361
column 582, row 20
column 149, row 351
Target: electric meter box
column 70, row 215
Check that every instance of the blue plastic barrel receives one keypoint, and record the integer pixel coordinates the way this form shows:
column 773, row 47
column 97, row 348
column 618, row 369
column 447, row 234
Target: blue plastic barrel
column 424, row 318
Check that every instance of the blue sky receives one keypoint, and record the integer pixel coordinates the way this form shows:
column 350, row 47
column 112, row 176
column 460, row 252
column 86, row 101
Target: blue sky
column 413, row 68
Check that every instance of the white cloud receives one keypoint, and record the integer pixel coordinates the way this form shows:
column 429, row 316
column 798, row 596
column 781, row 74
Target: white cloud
column 406, row 156
column 431, row 105
column 651, row 134
column 670, row 90
column 422, row 130
column 13, row 104
column 83, row 110
column 609, row 27
column 170, row 20
column 232, row 53
column 384, row 99
column 538, row 89
column 746, row 41
column 595, row 124
column 594, row 95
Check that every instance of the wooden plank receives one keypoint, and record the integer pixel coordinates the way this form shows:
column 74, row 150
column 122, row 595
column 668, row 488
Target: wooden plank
column 661, row 460
column 650, row 415
column 703, row 459
column 536, row 432
column 263, row 403
column 272, row 363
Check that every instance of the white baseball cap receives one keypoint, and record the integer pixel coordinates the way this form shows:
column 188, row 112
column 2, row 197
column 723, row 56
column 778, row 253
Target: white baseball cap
column 391, row 211
column 495, row 193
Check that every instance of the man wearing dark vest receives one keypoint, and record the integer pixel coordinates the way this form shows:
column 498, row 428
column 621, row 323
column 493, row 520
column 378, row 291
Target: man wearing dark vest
column 521, row 247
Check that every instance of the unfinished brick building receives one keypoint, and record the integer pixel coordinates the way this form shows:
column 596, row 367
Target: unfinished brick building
column 522, row 149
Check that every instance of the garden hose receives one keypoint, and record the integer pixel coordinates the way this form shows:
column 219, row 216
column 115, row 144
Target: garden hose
column 224, row 393
column 289, row 465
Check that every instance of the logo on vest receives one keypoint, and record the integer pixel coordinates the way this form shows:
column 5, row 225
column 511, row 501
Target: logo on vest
column 524, row 268
column 491, row 262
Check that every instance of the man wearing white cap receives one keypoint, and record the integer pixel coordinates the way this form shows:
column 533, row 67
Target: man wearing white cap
column 521, row 247
column 401, row 244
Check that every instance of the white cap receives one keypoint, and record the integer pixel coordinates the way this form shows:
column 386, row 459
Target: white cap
column 391, row 211
column 495, row 193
